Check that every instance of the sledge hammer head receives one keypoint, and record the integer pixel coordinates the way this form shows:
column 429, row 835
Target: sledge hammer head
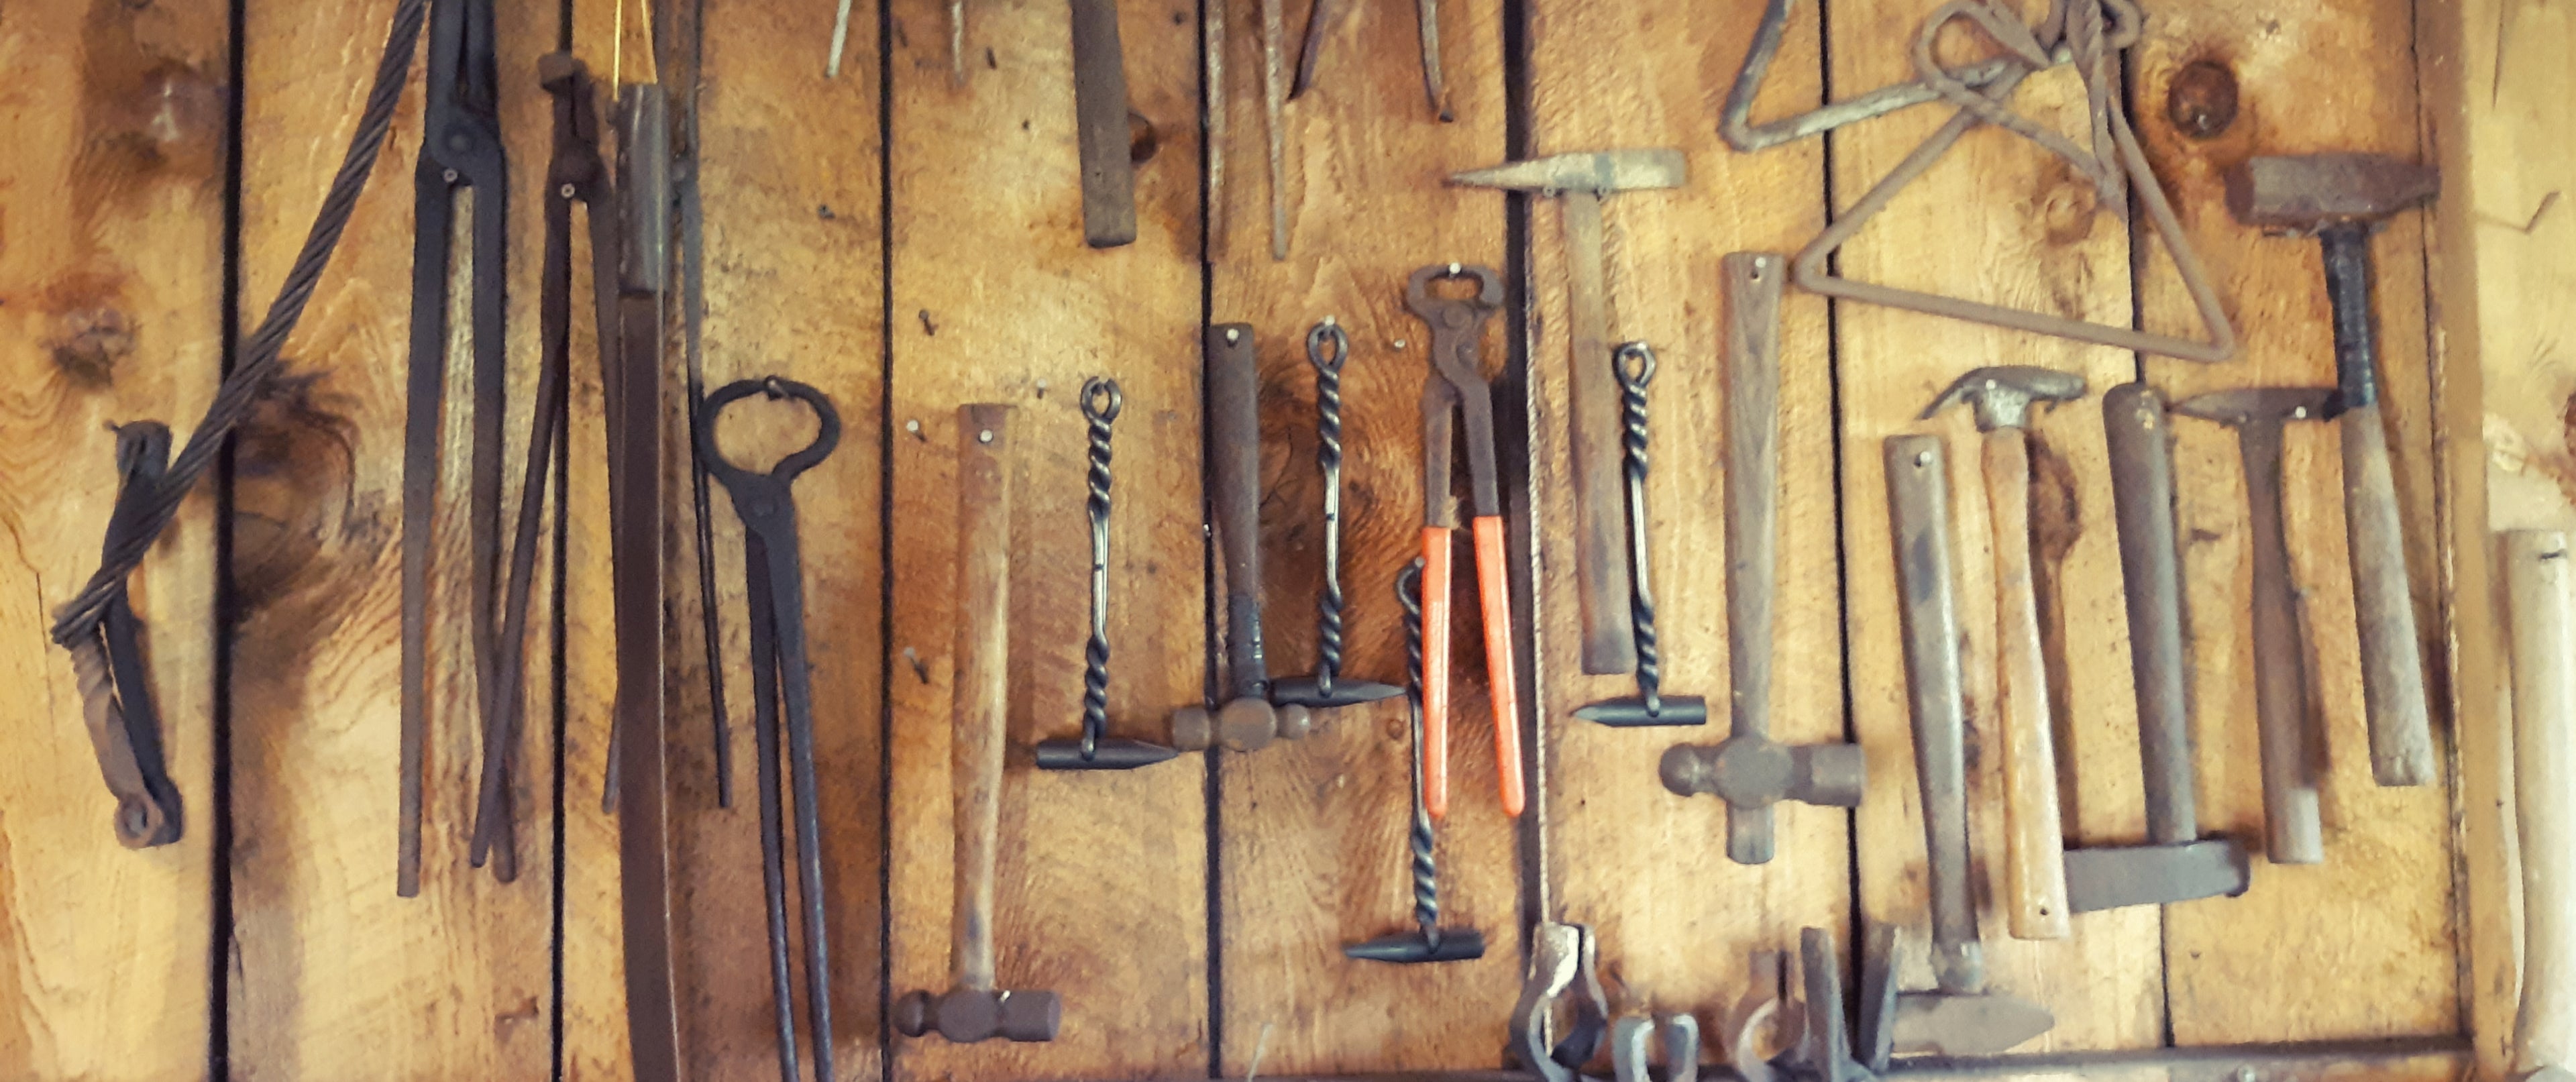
column 2003, row 395
column 1596, row 173
column 2115, row 877
column 1751, row 772
column 2309, row 192
column 966, row 1015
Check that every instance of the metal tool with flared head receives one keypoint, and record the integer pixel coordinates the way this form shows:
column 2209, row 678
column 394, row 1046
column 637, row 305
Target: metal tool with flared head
column 1750, row 771
column 1429, row 942
column 1634, row 362
column 1328, row 348
column 1832, row 1046
column 1580, row 181
column 1095, row 749
column 2034, row 841
column 1563, row 970
column 1961, row 1017
column 2176, row 864
column 972, row 1009
column 2294, row 830
column 2341, row 198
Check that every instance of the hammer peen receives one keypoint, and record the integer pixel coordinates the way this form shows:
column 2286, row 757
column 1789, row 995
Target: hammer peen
column 2340, row 198
column 972, row 1009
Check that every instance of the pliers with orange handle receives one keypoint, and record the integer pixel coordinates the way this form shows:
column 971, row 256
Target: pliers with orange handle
column 1457, row 389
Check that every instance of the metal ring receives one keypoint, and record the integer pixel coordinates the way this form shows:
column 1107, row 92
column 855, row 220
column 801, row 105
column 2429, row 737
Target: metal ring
column 1635, row 363
column 1096, row 391
column 826, row 437
column 1328, row 331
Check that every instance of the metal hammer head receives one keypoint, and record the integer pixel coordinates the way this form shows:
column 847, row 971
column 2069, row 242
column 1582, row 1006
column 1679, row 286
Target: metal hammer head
column 968, row 1015
column 1754, row 772
column 2117, row 877
column 1242, row 724
column 1634, row 713
column 2259, row 406
column 2297, row 194
column 1308, row 691
column 1599, row 172
column 1452, row 945
column 1108, row 753
column 2003, row 395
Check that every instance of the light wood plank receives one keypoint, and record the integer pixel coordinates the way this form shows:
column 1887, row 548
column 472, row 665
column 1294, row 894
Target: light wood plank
column 335, row 975
column 2372, row 930
column 111, row 286
column 1103, row 893
column 2002, row 221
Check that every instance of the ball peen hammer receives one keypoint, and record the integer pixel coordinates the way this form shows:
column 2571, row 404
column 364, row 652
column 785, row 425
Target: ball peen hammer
column 2340, row 198
column 1601, row 554
column 972, row 1009
column 2034, row 841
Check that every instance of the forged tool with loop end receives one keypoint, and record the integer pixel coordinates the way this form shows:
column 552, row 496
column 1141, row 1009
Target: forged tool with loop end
column 1562, row 965
column 781, row 676
column 1634, row 362
column 460, row 148
column 1431, row 943
column 1328, row 348
column 1096, row 749
column 1457, row 390
column 116, row 696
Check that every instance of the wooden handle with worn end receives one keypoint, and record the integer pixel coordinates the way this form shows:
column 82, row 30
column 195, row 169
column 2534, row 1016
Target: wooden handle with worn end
column 2392, row 661
column 979, row 703
column 1435, row 670
column 2034, row 840
column 1494, row 594
column 2544, row 767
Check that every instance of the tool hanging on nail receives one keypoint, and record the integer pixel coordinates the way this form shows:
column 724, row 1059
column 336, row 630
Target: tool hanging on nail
column 1962, row 1017
column 1429, row 942
column 460, row 149
column 1096, row 749
column 1455, row 392
column 1635, row 364
column 1632, row 1036
column 972, row 1009
column 782, row 696
column 574, row 172
column 1736, row 119
column 116, row 694
column 1581, row 181
column 2293, row 825
column 1101, row 133
column 1750, row 771
column 1832, row 1046
column 1563, row 967
column 1328, row 348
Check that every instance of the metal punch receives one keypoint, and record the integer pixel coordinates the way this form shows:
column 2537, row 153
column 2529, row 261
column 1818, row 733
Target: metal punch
column 1328, row 348
column 1095, row 749
column 1429, row 942
column 1635, row 365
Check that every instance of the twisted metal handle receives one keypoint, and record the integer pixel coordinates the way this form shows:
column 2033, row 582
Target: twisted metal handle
column 1328, row 348
column 1426, row 870
column 1635, row 364
column 1101, row 403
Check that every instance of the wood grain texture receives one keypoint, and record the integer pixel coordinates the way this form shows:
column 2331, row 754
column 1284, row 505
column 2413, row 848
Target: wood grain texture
column 1997, row 220
column 334, row 975
column 1313, row 850
column 1648, row 869
column 1102, row 876
column 111, row 287
column 2378, row 914
column 2493, row 114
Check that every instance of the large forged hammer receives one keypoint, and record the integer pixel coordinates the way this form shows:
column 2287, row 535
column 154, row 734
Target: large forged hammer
column 2341, row 198
column 972, row 1009
column 1600, row 538
column 2034, row 842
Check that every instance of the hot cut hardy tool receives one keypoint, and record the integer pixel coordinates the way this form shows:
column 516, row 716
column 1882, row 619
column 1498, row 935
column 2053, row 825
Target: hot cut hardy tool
column 1095, row 749
column 460, row 149
column 1328, row 348
column 1563, row 969
column 782, row 695
column 1431, row 943
column 1635, row 363
column 1456, row 391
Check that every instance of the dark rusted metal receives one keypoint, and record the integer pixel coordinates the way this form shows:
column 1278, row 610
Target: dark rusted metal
column 1328, row 348
column 1100, row 121
column 1429, row 942
column 1634, row 364
column 1246, row 721
column 1563, row 966
column 1095, row 749
column 116, row 693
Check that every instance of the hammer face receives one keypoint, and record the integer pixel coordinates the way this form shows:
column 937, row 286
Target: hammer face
column 2003, row 394
column 2302, row 193
column 2098, row 879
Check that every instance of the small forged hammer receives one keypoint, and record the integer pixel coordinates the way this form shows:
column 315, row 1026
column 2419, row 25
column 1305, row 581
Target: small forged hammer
column 2176, row 864
column 1601, row 553
column 1750, row 771
column 2340, row 198
column 972, row 1009
column 2294, row 831
column 2034, row 841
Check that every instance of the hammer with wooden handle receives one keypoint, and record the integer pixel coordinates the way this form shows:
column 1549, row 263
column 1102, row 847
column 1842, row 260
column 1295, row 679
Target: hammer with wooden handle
column 2544, row 781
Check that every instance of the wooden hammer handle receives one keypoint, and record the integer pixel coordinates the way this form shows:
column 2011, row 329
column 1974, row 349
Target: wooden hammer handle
column 2544, row 760
column 2034, row 842
column 2392, row 661
column 979, row 694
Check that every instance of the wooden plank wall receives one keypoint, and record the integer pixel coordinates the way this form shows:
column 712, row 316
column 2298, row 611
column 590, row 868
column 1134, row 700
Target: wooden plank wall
column 909, row 242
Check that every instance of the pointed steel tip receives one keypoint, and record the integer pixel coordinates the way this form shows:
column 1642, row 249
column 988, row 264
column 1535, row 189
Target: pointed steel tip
column 1304, row 691
column 1114, row 753
column 1631, row 713
column 1410, row 948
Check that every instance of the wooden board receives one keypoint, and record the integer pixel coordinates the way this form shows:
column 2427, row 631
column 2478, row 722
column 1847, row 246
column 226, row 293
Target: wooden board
column 111, row 308
column 1103, row 891
column 2378, row 914
column 333, row 974
column 2043, row 248
column 1313, row 851
column 1647, row 869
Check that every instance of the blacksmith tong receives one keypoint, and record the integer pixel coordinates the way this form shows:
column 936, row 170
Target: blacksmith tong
column 460, row 148
column 1457, row 389
column 781, row 675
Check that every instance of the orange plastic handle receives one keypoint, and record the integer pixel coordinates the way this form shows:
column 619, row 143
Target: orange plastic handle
column 1435, row 670
column 1497, row 602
